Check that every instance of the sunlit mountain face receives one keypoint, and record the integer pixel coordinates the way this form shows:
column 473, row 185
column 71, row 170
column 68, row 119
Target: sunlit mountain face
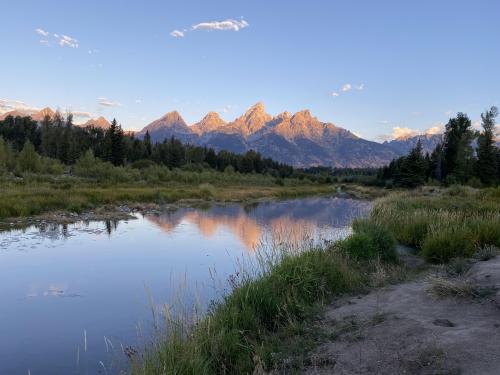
column 299, row 139
column 268, row 222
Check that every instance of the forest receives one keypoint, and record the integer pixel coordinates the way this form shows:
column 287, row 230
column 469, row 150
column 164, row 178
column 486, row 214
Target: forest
column 27, row 146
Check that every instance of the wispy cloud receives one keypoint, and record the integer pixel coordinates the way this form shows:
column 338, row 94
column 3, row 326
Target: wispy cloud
column 7, row 105
column 225, row 25
column 347, row 87
column 42, row 32
column 138, row 101
column 177, row 34
column 105, row 102
column 67, row 41
column 81, row 114
column 62, row 40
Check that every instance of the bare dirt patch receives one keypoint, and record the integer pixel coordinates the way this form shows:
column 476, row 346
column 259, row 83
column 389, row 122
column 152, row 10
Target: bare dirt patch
column 407, row 329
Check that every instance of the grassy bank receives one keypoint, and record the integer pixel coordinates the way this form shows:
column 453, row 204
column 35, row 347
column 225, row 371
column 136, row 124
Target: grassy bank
column 36, row 194
column 442, row 223
column 259, row 325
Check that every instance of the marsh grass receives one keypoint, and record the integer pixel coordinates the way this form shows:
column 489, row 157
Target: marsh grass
column 443, row 224
column 260, row 323
column 36, row 195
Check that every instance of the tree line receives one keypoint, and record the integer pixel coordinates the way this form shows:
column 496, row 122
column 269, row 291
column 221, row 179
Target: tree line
column 59, row 139
column 465, row 156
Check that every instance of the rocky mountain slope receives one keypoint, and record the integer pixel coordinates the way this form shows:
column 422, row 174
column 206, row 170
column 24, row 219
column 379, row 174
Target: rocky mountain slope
column 299, row 139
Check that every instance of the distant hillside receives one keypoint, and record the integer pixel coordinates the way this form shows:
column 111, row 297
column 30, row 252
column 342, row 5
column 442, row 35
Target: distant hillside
column 404, row 145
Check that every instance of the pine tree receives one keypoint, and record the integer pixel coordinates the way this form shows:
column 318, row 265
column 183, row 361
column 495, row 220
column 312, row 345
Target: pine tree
column 3, row 155
column 114, row 146
column 458, row 156
column 413, row 168
column 486, row 168
column 147, row 144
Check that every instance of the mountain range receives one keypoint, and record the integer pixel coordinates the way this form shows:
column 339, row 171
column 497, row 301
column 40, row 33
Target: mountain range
column 39, row 115
column 299, row 139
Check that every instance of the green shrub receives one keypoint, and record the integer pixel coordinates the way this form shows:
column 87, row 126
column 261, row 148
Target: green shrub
column 370, row 241
column 445, row 244
column 143, row 164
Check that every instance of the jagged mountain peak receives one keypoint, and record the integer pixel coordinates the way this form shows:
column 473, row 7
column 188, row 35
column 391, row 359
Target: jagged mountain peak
column 99, row 122
column 210, row 122
column 284, row 116
column 254, row 119
column 299, row 139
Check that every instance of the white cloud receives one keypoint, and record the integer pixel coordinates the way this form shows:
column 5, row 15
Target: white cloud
column 68, row 41
column 177, row 34
column 229, row 24
column 7, row 105
column 360, row 87
column 384, row 122
column 437, row 128
column 402, row 132
column 448, row 113
column 335, row 94
column 138, row 101
column 42, row 32
column 81, row 114
column 346, row 87
column 226, row 25
column 62, row 40
column 105, row 102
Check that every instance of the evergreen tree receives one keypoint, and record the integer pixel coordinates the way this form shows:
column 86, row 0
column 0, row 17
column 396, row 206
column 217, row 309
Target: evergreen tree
column 457, row 150
column 148, row 145
column 114, row 149
column 486, row 168
column 3, row 155
column 436, row 163
column 413, row 168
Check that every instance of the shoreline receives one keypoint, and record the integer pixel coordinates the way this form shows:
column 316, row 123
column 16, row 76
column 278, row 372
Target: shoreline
column 124, row 210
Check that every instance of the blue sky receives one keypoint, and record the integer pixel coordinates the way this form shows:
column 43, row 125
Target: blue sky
column 409, row 64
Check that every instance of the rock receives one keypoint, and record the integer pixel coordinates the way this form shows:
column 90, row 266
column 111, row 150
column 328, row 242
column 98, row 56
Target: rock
column 443, row 323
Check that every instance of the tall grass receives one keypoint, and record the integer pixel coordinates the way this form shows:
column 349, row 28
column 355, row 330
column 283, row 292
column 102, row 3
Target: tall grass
column 443, row 224
column 243, row 331
column 38, row 194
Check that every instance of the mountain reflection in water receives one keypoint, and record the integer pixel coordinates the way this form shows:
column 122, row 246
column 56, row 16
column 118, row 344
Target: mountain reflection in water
column 255, row 223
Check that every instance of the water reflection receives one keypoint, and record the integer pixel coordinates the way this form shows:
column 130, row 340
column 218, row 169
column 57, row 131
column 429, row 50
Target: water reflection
column 252, row 223
column 105, row 266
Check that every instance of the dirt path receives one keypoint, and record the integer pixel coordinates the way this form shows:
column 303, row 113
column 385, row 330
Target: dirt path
column 406, row 329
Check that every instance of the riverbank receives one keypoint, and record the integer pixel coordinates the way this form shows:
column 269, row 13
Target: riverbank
column 30, row 202
column 269, row 323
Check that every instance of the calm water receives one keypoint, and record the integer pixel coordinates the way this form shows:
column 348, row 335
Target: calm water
column 71, row 296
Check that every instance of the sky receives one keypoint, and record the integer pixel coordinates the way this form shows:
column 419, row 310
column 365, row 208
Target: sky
column 378, row 68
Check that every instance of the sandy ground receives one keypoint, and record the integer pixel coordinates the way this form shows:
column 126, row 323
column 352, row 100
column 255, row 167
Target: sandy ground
column 406, row 329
